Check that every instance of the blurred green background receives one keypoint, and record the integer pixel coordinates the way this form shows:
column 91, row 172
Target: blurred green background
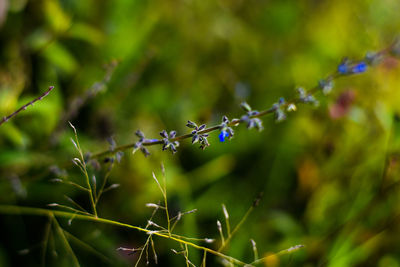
column 330, row 174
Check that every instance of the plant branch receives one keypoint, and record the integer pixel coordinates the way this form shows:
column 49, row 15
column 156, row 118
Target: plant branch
column 24, row 107
column 235, row 122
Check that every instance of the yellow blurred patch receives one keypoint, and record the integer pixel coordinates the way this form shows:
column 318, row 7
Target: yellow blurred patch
column 308, row 173
column 271, row 260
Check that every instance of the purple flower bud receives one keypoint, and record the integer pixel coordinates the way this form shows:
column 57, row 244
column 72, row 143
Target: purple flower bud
column 191, row 124
column 172, row 134
column 139, row 134
column 245, row 106
column 164, row 134
column 145, row 152
column 195, row 138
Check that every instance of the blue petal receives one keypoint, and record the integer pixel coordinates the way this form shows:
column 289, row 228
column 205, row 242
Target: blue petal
column 360, row 67
column 222, row 135
column 342, row 68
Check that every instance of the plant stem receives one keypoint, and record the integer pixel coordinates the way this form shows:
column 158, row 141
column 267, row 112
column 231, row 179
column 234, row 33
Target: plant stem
column 236, row 229
column 9, row 209
column 236, row 122
column 24, row 107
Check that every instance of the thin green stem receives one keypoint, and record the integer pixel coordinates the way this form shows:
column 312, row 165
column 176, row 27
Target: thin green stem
column 236, row 228
column 70, row 208
column 153, row 248
column 85, row 172
column 76, row 185
column 101, row 190
column 187, row 256
column 279, row 253
column 166, row 205
column 86, row 246
column 9, row 209
column 90, row 191
column 142, row 250
column 65, row 241
column 46, row 241
column 203, row 264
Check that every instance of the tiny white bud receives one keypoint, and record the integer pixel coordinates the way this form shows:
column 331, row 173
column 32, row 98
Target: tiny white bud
column 291, row 107
column 226, row 214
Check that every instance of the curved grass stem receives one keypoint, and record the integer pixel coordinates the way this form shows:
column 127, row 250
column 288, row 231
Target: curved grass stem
column 15, row 210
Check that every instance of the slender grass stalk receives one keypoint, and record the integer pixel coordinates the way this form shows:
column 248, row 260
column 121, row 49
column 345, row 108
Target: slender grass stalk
column 163, row 190
column 207, row 240
column 17, row 210
column 73, row 184
column 188, row 263
column 166, row 199
column 76, row 204
column 279, row 253
column 24, row 107
column 142, row 250
column 203, row 263
column 237, row 227
column 83, row 167
column 46, row 241
column 69, row 208
column 154, row 250
column 65, row 241
column 86, row 246
column 101, row 190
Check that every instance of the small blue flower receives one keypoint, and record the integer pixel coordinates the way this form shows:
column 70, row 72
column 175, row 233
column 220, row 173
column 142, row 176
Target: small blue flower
column 343, row 68
column 360, row 67
column 223, row 135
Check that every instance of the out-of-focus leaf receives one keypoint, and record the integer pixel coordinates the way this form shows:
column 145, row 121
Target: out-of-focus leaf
column 46, row 113
column 38, row 39
column 211, row 171
column 13, row 134
column 8, row 101
column 86, row 33
column 58, row 55
column 57, row 18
